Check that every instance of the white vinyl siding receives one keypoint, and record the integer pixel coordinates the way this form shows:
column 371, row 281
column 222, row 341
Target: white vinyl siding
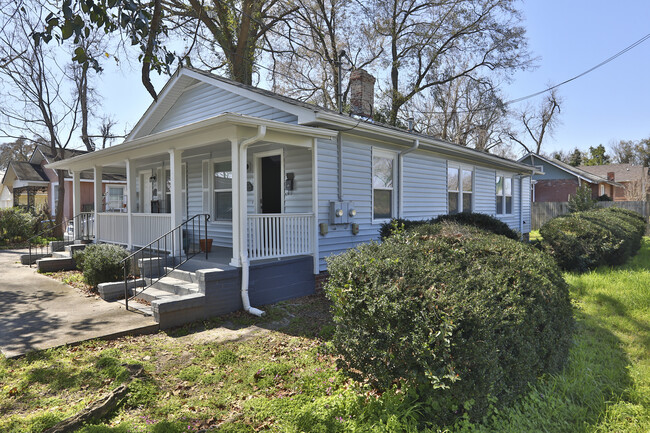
column 204, row 101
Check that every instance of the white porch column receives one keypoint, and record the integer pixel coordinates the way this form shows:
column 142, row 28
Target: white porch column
column 175, row 170
column 314, row 204
column 130, row 198
column 98, row 198
column 236, row 221
column 76, row 202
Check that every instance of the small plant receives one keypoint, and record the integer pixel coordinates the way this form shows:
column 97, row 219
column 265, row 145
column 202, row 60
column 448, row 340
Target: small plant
column 101, row 263
column 582, row 201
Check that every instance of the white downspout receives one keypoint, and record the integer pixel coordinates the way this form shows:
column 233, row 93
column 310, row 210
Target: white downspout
column 243, row 216
column 400, row 177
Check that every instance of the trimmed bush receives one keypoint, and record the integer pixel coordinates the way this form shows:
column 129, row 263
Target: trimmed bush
column 16, row 225
column 585, row 240
column 478, row 220
column 461, row 314
column 101, row 263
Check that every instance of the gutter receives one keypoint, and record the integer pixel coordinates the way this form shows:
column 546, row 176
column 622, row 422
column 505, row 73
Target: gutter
column 400, row 175
column 433, row 144
column 243, row 251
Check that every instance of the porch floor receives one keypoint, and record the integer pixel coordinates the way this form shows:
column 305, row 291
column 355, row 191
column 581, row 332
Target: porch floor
column 220, row 257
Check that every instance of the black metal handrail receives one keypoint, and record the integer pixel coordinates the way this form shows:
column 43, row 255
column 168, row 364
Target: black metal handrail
column 176, row 244
column 84, row 229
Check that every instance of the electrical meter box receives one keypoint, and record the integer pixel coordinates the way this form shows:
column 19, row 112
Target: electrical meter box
column 339, row 212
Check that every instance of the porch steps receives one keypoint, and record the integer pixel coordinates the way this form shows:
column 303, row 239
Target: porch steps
column 60, row 260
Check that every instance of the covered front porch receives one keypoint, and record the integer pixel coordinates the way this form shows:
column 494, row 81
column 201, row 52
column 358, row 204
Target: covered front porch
column 253, row 182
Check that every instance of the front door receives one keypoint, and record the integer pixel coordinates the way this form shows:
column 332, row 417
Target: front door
column 271, row 184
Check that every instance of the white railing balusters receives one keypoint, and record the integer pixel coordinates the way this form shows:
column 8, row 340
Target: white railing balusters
column 279, row 235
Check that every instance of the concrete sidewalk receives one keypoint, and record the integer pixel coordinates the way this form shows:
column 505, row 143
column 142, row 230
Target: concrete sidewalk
column 38, row 312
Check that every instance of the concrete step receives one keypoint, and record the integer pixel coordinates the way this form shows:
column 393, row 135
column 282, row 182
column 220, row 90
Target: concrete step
column 176, row 286
column 152, row 293
column 55, row 264
column 188, row 276
column 61, row 254
column 72, row 249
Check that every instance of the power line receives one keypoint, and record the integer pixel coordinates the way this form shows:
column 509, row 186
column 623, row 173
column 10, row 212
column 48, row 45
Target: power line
column 582, row 74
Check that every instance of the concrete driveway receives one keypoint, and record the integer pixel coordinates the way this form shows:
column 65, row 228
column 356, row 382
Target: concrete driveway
column 38, row 312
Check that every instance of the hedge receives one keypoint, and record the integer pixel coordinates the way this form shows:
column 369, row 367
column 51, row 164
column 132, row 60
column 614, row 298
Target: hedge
column 479, row 220
column 458, row 313
column 585, row 240
column 16, row 225
column 101, row 263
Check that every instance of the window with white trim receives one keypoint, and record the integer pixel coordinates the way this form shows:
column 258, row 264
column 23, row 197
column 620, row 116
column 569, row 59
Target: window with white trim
column 115, row 199
column 460, row 188
column 222, row 191
column 504, row 195
column 382, row 184
column 602, row 189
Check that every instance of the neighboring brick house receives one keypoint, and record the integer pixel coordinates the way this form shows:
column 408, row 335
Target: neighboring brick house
column 33, row 186
column 560, row 181
column 633, row 178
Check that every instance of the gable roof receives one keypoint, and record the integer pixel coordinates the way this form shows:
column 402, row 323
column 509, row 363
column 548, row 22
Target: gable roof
column 574, row 171
column 46, row 152
column 307, row 114
column 26, row 171
column 622, row 172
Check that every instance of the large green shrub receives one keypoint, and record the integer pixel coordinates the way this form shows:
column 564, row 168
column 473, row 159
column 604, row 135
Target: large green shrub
column 101, row 263
column 16, row 225
column 478, row 220
column 461, row 314
column 585, row 240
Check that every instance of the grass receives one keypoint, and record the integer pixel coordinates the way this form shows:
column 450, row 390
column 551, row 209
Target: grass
column 284, row 378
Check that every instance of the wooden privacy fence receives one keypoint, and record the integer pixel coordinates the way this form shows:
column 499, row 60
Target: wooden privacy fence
column 544, row 211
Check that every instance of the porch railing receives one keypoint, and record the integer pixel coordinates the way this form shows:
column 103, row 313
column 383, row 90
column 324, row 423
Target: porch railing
column 279, row 235
column 80, row 227
column 166, row 253
column 113, row 227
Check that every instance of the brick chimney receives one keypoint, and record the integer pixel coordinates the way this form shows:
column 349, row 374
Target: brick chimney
column 362, row 93
column 611, row 176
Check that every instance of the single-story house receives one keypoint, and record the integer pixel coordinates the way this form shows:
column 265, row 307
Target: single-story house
column 286, row 184
column 632, row 178
column 33, row 186
column 559, row 181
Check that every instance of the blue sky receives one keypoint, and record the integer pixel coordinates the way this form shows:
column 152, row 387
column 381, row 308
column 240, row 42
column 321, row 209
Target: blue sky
column 568, row 36
column 571, row 36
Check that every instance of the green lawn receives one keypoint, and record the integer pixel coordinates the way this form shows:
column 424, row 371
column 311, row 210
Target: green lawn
column 284, row 378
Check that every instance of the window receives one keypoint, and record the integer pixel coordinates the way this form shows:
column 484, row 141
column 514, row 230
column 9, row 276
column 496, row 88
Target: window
column 222, row 189
column 460, row 184
column 115, row 199
column 504, row 195
column 602, row 189
column 382, row 185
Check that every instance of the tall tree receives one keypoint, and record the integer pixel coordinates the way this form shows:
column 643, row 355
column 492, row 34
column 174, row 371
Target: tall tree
column 309, row 48
column 632, row 152
column 18, row 150
column 426, row 38
column 465, row 111
column 36, row 95
column 538, row 122
column 575, row 158
column 597, row 156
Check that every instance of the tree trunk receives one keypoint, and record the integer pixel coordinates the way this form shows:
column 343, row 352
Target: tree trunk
column 59, row 220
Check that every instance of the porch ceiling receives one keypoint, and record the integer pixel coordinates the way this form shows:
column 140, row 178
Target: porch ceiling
column 225, row 127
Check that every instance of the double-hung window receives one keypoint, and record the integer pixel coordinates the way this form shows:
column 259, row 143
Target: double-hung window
column 382, row 184
column 460, row 187
column 504, row 195
column 222, row 190
column 115, row 201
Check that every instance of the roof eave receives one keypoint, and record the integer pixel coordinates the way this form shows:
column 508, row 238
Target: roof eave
column 433, row 144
